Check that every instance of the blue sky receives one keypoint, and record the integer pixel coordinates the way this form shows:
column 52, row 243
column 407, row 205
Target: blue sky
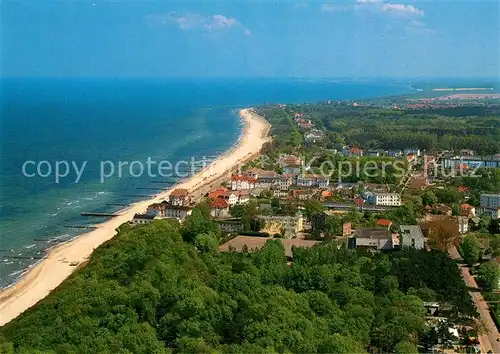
column 358, row 38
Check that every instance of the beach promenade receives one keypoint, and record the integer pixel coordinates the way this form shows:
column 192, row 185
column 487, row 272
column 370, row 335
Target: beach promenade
column 63, row 259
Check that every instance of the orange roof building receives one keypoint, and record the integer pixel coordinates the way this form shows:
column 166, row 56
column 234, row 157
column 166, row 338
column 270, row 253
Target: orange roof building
column 179, row 192
column 384, row 222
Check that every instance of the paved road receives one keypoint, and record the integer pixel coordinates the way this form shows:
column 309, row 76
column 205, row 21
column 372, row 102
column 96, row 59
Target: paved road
column 488, row 340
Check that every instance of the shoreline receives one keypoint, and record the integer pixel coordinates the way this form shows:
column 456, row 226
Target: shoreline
column 47, row 274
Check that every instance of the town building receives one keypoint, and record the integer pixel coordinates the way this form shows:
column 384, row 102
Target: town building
column 291, row 164
column 178, row 212
column 219, row 208
column 387, row 199
column 252, row 173
column 385, row 223
column 312, row 180
column 353, row 152
column 346, row 229
column 230, row 225
column 239, row 182
column 412, row 151
column 287, row 226
column 472, row 161
column 231, row 197
column 372, row 238
column 280, row 194
column 492, row 213
column 490, row 205
column 267, row 179
column 467, row 210
column 490, row 201
column 412, row 237
column 180, row 197
column 285, row 181
column 372, row 153
column 394, row 153
column 140, row 219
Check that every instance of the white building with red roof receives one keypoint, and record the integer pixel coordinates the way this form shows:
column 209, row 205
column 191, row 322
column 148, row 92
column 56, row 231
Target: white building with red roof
column 240, row 182
column 220, row 208
column 291, row 164
column 231, row 197
column 179, row 197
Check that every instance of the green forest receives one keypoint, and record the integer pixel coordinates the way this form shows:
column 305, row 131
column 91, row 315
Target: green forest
column 370, row 127
column 162, row 288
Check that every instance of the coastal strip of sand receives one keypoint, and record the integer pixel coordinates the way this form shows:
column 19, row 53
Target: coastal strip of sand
column 61, row 260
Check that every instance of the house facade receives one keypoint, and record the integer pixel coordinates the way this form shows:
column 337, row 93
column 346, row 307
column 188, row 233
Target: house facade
column 240, row 182
column 141, row 219
column 372, row 238
column 312, row 180
column 285, row 181
column 178, row 212
column 290, row 164
column 179, row 197
column 412, row 237
column 288, row 225
column 220, row 208
column 490, row 205
column 267, row 179
column 387, row 199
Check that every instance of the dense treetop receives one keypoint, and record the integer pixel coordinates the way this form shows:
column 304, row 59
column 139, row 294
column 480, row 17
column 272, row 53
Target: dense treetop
column 148, row 291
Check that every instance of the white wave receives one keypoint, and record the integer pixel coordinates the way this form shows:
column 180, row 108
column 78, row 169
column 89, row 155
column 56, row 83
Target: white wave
column 17, row 272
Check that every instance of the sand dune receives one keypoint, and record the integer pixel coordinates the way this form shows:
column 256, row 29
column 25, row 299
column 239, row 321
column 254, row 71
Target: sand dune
column 60, row 261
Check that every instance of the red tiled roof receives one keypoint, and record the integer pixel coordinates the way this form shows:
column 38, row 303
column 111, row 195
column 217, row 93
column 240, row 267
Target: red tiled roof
column 354, row 150
column 243, row 178
column 219, row 203
column 291, row 160
column 217, row 193
column 384, row 222
column 466, row 206
column 179, row 192
column 463, row 189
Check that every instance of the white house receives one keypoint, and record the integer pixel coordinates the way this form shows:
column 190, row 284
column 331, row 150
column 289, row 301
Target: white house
column 239, row 182
column 290, row 164
column 143, row 219
column 490, row 201
column 179, row 196
column 387, row 199
column 267, row 179
column 412, row 237
column 178, row 212
column 312, row 180
column 490, row 205
column 411, row 151
column 234, row 197
column 493, row 213
column 285, row 181
column 220, row 208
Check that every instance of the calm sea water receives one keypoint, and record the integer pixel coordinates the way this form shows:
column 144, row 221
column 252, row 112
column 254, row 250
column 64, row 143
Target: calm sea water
column 118, row 120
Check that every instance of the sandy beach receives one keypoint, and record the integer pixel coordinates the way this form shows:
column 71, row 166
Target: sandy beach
column 61, row 261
